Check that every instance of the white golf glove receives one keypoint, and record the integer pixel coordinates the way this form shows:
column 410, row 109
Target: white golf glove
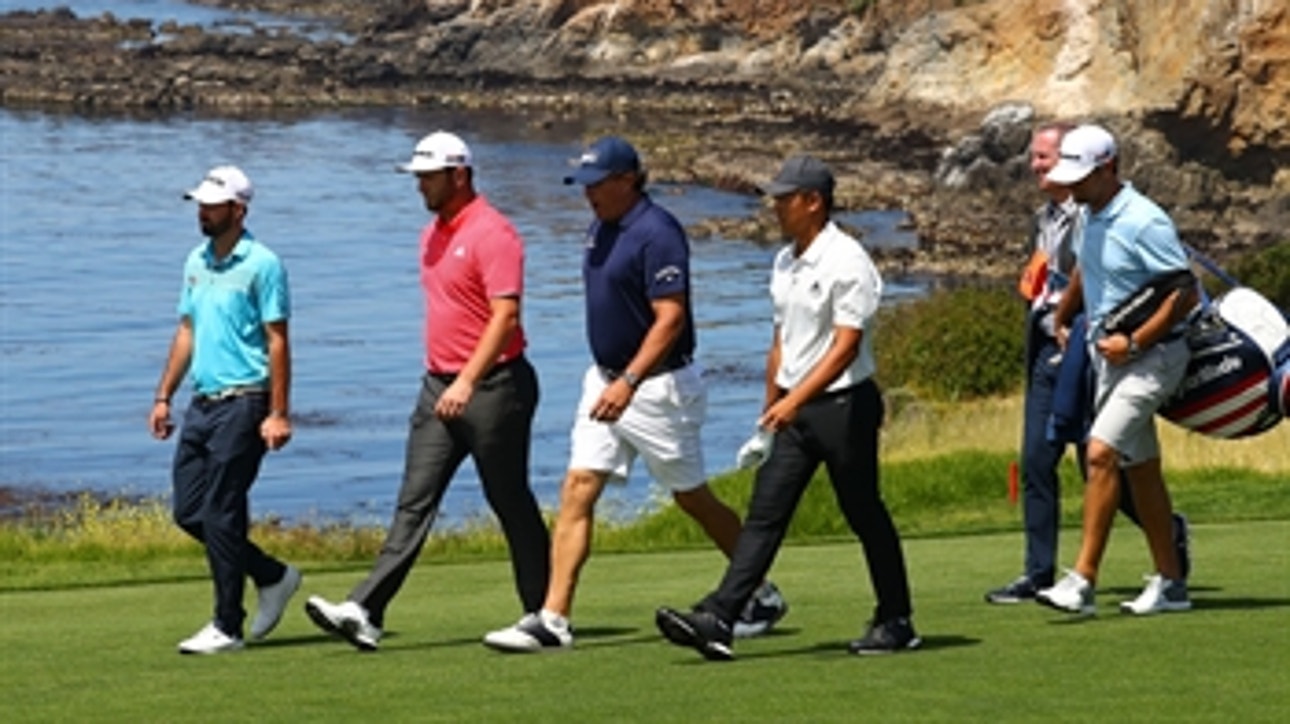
column 756, row 450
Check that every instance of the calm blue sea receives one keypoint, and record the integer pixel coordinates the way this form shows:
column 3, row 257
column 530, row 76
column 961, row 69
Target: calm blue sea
column 93, row 232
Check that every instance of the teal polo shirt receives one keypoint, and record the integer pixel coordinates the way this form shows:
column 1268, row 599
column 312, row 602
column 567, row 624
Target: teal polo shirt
column 229, row 301
column 1123, row 246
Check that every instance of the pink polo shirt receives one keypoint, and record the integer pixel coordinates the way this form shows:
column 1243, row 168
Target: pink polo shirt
column 465, row 263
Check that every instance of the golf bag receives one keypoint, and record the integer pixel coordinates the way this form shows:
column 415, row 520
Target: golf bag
column 1238, row 380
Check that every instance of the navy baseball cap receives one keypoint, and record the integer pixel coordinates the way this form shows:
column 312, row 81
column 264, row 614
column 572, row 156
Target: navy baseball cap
column 801, row 173
column 602, row 159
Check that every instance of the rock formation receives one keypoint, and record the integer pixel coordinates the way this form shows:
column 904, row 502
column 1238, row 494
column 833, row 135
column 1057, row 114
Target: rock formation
column 924, row 104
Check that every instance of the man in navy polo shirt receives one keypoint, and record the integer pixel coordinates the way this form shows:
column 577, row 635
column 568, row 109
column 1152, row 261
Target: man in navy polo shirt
column 232, row 336
column 642, row 396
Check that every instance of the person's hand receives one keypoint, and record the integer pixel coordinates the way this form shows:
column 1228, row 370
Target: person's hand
column 159, row 423
column 613, row 401
column 755, row 452
column 452, row 403
column 779, row 415
column 1063, row 334
column 1116, row 348
column 276, row 430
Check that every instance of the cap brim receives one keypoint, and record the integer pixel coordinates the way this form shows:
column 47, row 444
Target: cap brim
column 587, row 176
column 414, row 167
column 775, row 188
column 210, row 196
column 1066, row 173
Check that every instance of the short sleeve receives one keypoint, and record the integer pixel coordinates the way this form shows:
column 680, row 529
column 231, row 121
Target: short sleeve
column 667, row 262
column 501, row 262
column 272, row 293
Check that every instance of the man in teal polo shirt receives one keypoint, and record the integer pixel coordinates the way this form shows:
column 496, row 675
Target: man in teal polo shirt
column 232, row 337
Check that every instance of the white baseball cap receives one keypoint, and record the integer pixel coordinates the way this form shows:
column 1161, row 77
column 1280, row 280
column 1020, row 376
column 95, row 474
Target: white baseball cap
column 1083, row 149
column 221, row 185
column 437, row 151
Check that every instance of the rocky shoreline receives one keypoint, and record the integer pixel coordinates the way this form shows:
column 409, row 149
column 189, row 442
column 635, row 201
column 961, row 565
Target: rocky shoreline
column 957, row 169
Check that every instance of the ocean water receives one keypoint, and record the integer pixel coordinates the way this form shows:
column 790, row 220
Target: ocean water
column 177, row 11
column 93, row 232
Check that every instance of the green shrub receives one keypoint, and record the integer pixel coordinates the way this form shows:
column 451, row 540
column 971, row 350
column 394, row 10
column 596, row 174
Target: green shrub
column 858, row 7
column 1268, row 272
column 953, row 345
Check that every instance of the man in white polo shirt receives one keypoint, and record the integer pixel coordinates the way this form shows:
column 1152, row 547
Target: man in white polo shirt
column 823, row 407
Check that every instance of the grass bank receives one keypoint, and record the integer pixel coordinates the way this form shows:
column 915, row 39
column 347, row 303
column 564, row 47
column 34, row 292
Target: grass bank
column 945, row 473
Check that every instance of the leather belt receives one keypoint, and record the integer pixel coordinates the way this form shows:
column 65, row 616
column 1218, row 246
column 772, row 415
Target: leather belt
column 229, row 393
column 448, row 377
column 612, row 374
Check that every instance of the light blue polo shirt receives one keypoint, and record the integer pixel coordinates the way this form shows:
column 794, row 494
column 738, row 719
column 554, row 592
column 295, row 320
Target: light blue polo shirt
column 229, row 301
column 1123, row 246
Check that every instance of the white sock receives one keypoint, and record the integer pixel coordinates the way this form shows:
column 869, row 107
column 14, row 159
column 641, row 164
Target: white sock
column 553, row 619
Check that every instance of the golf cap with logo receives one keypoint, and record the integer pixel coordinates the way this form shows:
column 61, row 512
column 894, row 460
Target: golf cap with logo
column 602, row 159
column 801, row 173
column 437, row 151
column 1083, row 149
column 222, row 185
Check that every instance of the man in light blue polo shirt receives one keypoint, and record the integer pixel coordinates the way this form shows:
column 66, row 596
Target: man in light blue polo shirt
column 1125, row 242
column 232, row 337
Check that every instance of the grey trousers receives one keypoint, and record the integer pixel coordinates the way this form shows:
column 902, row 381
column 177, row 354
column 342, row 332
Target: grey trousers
column 495, row 431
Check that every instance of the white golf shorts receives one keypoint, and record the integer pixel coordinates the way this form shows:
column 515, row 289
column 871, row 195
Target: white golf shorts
column 661, row 425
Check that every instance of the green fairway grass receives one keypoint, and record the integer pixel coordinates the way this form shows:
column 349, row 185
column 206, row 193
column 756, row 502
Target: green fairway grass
column 108, row 653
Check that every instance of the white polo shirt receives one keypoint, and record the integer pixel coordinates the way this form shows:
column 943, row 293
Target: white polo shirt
column 833, row 284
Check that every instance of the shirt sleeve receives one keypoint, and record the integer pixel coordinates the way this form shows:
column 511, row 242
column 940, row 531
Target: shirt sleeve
column 667, row 263
column 501, row 262
column 1159, row 247
column 272, row 292
column 185, row 306
column 855, row 294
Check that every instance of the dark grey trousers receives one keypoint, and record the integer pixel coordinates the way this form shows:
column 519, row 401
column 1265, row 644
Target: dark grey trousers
column 839, row 429
column 495, row 432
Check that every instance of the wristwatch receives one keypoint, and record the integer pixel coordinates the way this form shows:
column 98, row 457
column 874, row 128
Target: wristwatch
column 631, row 379
column 1134, row 349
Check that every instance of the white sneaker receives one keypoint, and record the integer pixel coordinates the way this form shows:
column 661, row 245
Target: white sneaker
column 532, row 633
column 1160, row 596
column 347, row 620
column 273, row 601
column 766, row 607
column 210, row 640
column 1072, row 594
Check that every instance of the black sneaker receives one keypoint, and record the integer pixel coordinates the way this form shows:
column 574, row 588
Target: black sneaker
column 1182, row 544
column 699, row 630
column 1020, row 590
column 887, row 637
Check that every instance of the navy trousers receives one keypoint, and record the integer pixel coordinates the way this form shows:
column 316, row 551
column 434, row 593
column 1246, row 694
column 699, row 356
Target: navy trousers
column 216, row 462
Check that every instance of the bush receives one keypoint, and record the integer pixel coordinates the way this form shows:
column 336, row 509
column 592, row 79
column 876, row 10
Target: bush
column 953, row 345
column 1268, row 272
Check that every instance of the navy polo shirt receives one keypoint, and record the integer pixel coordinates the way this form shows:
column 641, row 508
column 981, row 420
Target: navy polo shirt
column 628, row 263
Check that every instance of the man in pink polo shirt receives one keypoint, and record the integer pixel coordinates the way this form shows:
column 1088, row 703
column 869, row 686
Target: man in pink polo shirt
column 477, row 397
